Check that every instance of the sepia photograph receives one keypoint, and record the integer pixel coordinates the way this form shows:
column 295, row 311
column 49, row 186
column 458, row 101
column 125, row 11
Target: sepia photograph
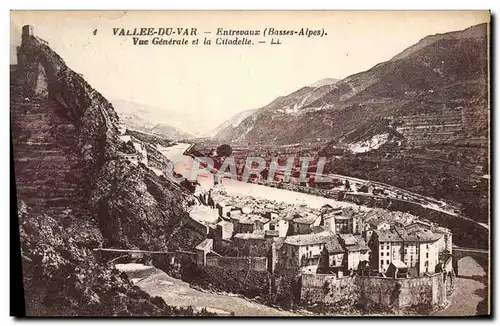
column 251, row 163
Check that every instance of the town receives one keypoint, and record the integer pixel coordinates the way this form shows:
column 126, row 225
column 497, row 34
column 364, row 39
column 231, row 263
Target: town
column 253, row 227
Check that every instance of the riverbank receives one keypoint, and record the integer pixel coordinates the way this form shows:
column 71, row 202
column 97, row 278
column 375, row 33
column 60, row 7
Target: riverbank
column 178, row 293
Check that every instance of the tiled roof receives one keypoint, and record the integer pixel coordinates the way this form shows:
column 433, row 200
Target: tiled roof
column 417, row 234
column 374, row 221
column 353, row 242
column 224, row 223
column 252, row 218
column 333, row 246
column 388, row 236
column 254, row 235
column 424, row 235
column 307, row 219
column 308, row 239
column 204, row 244
column 398, row 264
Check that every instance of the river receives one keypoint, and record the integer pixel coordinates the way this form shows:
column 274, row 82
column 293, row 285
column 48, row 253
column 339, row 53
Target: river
column 234, row 187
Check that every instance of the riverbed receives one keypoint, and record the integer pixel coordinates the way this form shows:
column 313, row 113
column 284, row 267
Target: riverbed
column 471, row 295
column 178, row 293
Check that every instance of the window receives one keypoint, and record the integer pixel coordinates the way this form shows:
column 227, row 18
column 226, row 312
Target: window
column 426, row 255
column 382, row 253
column 381, row 262
column 387, row 261
column 387, row 247
column 427, row 246
column 406, row 250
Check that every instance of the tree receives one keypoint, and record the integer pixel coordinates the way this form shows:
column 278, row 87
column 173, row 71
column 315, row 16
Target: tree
column 324, row 262
column 224, row 150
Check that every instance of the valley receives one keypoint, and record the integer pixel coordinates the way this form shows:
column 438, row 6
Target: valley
column 389, row 214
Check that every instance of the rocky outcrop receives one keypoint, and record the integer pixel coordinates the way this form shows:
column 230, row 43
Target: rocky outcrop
column 63, row 130
column 75, row 194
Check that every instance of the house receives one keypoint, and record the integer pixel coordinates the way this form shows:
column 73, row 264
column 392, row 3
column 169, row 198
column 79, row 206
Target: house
column 420, row 249
column 261, row 223
column 418, row 224
column 244, row 225
column 371, row 224
column 397, row 269
column 235, row 212
column 445, row 242
column 224, row 230
column 341, row 221
column 386, row 246
column 332, row 257
column 355, row 250
column 429, row 253
column 202, row 250
column 304, row 250
column 304, row 222
column 328, row 216
column 252, row 244
column 280, row 225
column 224, row 208
column 411, row 249
column 250, row 223
column 327, row 208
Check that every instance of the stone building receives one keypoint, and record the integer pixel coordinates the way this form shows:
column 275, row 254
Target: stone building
column 386, row 245
column 355, row 250
column 224, row 230
column 303, row 223
column 202, row 250
column 304, row 250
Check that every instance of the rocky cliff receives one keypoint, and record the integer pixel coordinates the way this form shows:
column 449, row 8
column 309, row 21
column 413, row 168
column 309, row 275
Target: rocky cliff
column 75, row 194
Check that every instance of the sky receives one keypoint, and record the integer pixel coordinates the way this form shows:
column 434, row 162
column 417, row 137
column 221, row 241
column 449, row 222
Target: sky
column 210, row 84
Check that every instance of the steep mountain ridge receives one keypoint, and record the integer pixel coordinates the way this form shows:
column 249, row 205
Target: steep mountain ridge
column 233, row 122
column 440, row 71
column 75, row 193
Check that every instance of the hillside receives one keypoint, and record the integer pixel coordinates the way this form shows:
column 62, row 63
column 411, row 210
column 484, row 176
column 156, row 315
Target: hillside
column 152, row 120
column 233, row 122
column 442, row 73
column 325, row 82
column 74, row 193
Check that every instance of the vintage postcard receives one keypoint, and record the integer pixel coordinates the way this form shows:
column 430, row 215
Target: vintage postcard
column 251, row 163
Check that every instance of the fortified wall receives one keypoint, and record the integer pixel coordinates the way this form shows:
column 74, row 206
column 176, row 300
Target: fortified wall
column 378, row 292
column 238, row 263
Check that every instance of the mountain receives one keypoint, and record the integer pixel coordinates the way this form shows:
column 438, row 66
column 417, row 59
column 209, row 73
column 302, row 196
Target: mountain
column 442, row 74
column 74, row 193
column 230, row 123
column 152, row 120
column 224, row 130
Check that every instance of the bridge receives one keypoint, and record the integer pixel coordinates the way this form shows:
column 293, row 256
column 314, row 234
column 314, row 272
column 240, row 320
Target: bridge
column 160, row 259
